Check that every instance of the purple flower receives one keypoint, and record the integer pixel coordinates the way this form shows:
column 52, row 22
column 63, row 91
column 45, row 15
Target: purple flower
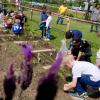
column 25, row 77
column 48, row 86
column 56, row 65
column 26, row 74
column 27, row 51
column 9, row 83
column 10, row 72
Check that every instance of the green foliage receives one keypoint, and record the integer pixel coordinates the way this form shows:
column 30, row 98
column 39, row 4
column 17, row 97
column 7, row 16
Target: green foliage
column 70, row 15
column 4, row 1
column 47, row 1
column 96, row 1
column 70, row 3
column 78, row 3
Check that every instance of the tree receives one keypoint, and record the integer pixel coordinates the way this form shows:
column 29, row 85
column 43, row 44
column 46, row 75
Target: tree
column 96, row 1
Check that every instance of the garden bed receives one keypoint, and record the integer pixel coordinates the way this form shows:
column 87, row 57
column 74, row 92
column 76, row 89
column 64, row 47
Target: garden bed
column 11, row 53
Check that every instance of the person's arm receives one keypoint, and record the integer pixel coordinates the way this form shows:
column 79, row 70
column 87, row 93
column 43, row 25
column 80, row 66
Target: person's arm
column 79, row 55
column 70, row 85
column 98, row 62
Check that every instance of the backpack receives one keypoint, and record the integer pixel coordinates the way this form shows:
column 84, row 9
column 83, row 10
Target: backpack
column 17, row 28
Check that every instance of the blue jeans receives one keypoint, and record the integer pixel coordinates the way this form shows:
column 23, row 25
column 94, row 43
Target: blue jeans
column 60, row 19
column 48, row 33
column 82, row 83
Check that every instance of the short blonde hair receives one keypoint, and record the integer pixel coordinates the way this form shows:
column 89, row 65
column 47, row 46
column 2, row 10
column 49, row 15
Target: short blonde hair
column 66, row 58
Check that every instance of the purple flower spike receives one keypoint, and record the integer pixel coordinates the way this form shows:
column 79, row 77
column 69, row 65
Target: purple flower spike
column 47, row 87
column 10, row 71
column 26, row 75
column 27, row 51
column 56, row 65
column 9, row 83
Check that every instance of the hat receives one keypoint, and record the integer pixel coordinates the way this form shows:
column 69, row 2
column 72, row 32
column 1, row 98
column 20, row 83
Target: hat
column 68, row 34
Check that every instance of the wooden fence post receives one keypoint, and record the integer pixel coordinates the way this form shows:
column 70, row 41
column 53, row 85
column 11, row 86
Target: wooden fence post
column 31, row 16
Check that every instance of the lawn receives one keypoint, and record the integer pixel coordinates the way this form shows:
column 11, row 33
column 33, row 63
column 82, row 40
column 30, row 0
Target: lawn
column 13, row 53
column 58, row 32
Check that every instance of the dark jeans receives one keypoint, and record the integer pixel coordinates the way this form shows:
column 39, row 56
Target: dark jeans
column 43, row 28
column 60, row 19
column 83, row 82
column 96, row 26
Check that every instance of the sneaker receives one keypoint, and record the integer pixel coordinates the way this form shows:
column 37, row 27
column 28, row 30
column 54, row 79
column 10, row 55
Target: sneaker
column 45, row 38
column 82, row 96
column 48, row 39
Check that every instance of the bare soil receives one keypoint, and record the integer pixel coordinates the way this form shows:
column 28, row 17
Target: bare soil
column 11, row 53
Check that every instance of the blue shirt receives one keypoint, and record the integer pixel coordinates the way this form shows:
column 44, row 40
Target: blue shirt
column 16, row 28
column 44, row 16
column 74, row 34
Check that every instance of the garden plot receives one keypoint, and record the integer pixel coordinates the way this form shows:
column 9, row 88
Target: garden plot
column 11, row 53
column 44, row 55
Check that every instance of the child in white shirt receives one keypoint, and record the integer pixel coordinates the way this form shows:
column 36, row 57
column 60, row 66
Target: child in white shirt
column 48, row 25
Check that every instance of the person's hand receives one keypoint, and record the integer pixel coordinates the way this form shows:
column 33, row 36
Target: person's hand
column 69, row 52
column 66, row 87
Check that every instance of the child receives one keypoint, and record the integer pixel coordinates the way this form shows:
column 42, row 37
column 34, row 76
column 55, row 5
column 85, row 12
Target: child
column 63, row 10
column 23, row 19
column 81, row 50
column 43, row 18
column 84, row 74
column 95, row 16
column 74, row 34
column 98, row 58
column 8, row 23
column 48, row 26
column 17, row 28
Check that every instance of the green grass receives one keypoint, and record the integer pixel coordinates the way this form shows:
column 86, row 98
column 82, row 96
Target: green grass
column 58, row 32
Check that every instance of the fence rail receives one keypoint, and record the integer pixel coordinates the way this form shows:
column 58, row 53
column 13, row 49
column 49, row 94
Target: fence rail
column 54, row 14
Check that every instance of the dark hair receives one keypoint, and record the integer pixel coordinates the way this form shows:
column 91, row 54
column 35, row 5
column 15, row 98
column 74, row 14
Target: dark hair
column 49, row 12
column 68, row 34
column 64, row 3
column 96, row 5
column 44, row 7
